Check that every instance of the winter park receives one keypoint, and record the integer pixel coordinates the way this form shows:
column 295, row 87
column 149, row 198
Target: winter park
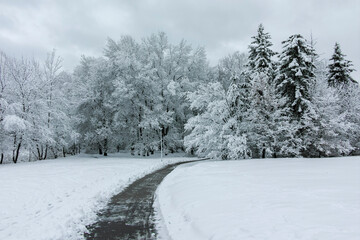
column 180, row 120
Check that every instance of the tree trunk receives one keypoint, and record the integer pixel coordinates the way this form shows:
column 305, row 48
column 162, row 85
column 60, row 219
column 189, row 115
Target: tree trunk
column 64, row 153
column 54, row 152
column 105, row 146
column 46, row 150
column 39, row 153
column 2, row 158
column 15, row 158
column 100, row 150
column 263, row 153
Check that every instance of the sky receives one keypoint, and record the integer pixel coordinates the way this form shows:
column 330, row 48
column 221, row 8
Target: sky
column 80, row 27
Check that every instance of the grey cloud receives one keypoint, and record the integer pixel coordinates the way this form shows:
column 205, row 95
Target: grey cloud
column 81, row 27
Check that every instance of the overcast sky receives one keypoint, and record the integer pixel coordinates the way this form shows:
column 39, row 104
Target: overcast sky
column 76, row 27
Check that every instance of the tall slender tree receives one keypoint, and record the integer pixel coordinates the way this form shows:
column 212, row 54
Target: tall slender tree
column 260, row 53
column 295, row 74
column 339, row 69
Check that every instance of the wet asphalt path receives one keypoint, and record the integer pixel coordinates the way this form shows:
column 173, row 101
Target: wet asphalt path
column 129, row 214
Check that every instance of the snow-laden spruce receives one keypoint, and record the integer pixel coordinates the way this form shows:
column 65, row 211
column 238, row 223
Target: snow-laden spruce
column 339, row 69
column 260, row 53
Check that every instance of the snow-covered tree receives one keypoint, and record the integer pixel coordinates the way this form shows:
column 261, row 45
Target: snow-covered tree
column 24, row 108
column 205, row 129
column 349, row 101
column 229, row 66
column 3, row 102
column 260, row 53
column 96, row 110
column 219, row 128
column 328, row 135
column 151, row 81
column 271, row 133
column 339, row 69
column 295, row 74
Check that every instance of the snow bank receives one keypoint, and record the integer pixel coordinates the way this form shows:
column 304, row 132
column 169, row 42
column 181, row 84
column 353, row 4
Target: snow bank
column 278, row 199
column 56, row 199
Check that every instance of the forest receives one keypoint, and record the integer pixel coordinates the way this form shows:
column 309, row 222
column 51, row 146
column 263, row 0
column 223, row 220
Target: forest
column 256, row 104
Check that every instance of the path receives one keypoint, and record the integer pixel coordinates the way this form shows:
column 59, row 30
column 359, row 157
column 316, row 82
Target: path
column 129, row 215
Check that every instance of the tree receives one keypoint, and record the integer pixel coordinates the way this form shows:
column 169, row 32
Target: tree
column 96, row 110
column 212, row 132
column 151, row 80
column 218, row 128
column 339, row 69
column 3, row 102
column 295, row 74
column 260, row 54
column 24, row 107
column 229, row 66
column 329, row 135
column 270, row 131
column 347, row 90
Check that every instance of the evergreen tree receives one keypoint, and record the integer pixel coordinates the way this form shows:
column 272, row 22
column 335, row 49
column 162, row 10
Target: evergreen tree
column 260, row 53
column 295, row 74
column 270, row 132
column 339, row 69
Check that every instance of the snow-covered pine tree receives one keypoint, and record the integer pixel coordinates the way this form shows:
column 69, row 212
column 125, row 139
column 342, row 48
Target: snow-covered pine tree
column 295, row 78
column 339, row 69
column 238, row 126
column 260, row 72
column 260, row 53
column 270, row 133
column 295, row 74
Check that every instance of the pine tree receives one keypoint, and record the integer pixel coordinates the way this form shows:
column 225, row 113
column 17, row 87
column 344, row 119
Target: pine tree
column 295, row 74
column 339, row 69
column 260, row 53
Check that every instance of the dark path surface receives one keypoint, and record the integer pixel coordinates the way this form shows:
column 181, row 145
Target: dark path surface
column 129, row 215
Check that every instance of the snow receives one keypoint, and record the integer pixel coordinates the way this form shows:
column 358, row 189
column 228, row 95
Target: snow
column 13, row 122
column 294, row 63
column 278, row 199
column 56, row 199
column 298, row 73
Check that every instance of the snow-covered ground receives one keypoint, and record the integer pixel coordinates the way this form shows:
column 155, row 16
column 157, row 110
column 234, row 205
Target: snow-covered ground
column 56, row 199
column 278, row 199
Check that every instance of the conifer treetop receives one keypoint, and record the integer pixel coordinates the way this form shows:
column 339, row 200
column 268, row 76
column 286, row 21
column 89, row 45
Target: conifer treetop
column 295, row 74
column 339, row 69
column 260, row 53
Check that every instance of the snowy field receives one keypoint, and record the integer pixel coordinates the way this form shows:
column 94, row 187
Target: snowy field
column 56, row 199
column 278, row 199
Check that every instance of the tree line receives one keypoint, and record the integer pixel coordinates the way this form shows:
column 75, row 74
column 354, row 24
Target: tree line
column 266, row 104
column 255, row 104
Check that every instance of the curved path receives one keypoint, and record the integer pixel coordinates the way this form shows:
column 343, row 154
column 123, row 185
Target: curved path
column 129, row 215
